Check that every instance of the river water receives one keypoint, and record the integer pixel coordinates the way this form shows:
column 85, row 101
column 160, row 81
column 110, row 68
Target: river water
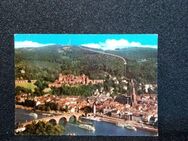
column 101, row 128
column 22, row 115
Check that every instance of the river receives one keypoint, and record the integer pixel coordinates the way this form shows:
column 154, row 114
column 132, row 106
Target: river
column 101, row 128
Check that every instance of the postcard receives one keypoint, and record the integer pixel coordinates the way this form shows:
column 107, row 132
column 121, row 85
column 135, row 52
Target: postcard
column 86, row 84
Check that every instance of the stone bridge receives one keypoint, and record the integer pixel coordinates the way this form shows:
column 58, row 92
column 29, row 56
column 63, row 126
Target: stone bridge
column 59, row 119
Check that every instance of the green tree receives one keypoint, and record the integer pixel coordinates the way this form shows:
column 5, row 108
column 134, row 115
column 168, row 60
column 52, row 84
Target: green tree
column 38, row 92
column 29, row 103
column 87, row 109
column 20, row 90
column 41, row 85
column 51, row 106
column 42, row 128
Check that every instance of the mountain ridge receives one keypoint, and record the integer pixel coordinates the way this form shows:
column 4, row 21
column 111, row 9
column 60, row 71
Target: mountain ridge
column 47, row 62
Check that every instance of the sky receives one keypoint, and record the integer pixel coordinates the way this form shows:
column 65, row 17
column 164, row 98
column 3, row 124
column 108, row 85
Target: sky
column 98, row 41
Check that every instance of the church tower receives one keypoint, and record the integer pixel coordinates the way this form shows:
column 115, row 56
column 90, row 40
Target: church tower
column 133, row 96
column 94, row 109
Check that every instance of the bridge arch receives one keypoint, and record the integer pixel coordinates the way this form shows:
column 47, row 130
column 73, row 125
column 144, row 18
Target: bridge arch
column 72, row 119
column 62, row 121
column 52, row 121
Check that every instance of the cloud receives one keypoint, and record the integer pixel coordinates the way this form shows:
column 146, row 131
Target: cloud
column 111, row 44
column 92, row 45
column 23, row 44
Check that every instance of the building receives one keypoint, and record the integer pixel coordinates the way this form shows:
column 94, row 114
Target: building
column 133, row 95
column 94, row 109
column 73, row 80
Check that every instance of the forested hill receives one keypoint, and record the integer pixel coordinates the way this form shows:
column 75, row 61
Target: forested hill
column 135, row 53
column 47, row 62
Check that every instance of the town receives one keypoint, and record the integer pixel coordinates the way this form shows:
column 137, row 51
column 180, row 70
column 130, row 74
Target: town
column 139, row 110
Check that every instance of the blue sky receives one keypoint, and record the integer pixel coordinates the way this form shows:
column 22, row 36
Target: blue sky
column 102, row 41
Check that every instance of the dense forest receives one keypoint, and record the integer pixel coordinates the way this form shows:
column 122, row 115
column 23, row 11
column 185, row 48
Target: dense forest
column 45, row 63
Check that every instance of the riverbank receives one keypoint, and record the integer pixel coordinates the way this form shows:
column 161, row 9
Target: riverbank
column 50, row 113
column 23, row 107
column 118, row 121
